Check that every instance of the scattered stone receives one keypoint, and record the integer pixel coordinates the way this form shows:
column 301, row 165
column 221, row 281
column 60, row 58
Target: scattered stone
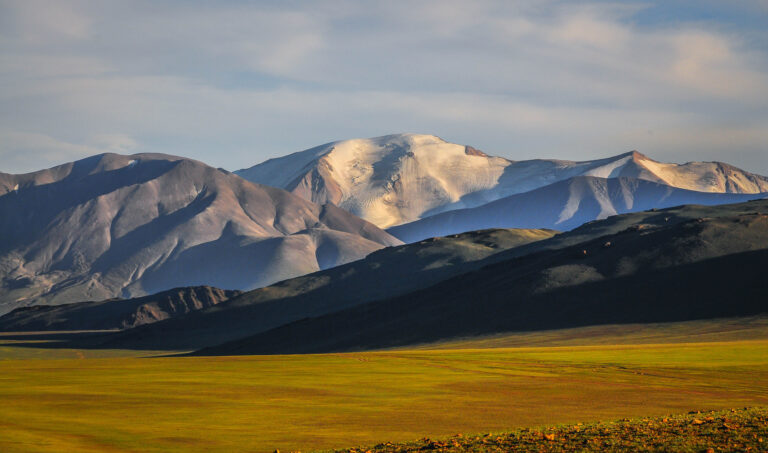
column 620, row 435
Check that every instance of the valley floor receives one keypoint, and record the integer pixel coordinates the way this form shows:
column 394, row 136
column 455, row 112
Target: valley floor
column 116, row 401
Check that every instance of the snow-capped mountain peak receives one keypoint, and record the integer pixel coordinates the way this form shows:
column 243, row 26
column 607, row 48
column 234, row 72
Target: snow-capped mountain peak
column 395, row 179
column 387, row 180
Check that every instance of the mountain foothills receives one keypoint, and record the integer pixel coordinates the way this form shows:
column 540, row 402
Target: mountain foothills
column 114, row 313
column 677, row 264
column 386, row 273
column 662, row 268
column 396, row 179
column 120, row 226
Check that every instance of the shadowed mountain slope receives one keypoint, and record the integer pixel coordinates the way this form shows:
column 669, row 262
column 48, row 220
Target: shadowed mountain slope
column 384, row 273
column 564, row 205
column 401, row 178
column 114, row 313
column 643, row 219
column 125, row 226
column 679, row 270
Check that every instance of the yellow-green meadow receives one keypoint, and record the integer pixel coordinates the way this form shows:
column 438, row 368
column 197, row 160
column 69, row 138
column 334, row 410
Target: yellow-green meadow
column 110, row 401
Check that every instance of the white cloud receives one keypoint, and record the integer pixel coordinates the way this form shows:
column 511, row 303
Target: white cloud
column 709, row 64
column 39, row 21
column 234, row 83
column 591, row 31
column 26, row 152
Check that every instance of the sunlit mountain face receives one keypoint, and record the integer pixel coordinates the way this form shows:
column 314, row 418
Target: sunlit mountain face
column 398, row 179
column 122, row 226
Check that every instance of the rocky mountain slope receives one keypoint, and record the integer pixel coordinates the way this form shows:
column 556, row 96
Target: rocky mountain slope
column 667, row 269
column 125, row 226
column 564, row 205
column 114, row 313
column 384, row 273
column 401, row 178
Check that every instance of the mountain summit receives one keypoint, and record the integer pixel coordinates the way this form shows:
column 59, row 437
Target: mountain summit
column 124, row 226
column 401, row 178
column 386, row 180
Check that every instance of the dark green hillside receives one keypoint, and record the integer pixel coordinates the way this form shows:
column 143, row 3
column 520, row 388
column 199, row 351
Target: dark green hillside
column 671, row 271
column 653, row 217
column 386, row 273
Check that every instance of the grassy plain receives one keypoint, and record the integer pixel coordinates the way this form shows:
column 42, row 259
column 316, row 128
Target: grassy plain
column 700, row 331
column 109, row 401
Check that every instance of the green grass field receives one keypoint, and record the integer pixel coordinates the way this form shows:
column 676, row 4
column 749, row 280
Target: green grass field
column 110, row 401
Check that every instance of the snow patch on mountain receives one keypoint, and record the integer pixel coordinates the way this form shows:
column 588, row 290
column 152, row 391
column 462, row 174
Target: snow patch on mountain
column 610, row 170
column 386, row 180
column 564, row 205
column 400, row 178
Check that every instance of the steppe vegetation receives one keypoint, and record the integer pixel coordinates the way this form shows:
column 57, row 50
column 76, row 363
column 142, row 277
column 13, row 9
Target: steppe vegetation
column 100, row 400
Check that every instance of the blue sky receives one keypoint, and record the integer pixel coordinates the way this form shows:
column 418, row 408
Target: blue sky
column 234, row 83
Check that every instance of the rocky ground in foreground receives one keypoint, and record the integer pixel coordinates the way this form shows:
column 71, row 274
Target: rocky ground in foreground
column 743, row 430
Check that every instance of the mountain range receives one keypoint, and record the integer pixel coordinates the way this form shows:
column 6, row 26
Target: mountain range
column 661, row 271
column 386, row 273
column 397, row 179
column 564, row 205
column 125, row 227
column 683, row 263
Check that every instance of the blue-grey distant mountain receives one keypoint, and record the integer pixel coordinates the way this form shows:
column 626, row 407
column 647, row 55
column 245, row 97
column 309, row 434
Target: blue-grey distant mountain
column 125, row 226
column 564, row 205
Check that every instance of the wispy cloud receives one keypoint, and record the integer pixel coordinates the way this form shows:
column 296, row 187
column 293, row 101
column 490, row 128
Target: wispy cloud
column 20, row 148
column 38, row 22
column 233, row 83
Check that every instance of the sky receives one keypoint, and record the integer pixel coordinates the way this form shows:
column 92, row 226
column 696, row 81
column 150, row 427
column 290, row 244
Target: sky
column 233, row 83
